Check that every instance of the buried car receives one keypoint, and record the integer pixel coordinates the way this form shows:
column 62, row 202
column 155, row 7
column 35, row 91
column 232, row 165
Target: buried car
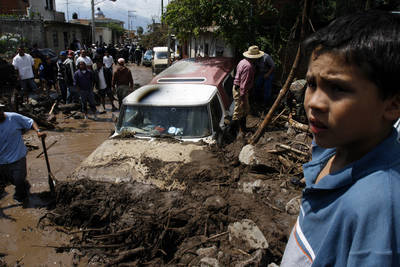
column 165, row 125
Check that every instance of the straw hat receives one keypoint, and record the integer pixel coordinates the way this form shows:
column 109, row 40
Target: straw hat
column 253, row 52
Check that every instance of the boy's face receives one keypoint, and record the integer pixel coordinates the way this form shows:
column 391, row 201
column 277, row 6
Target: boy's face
column 343, row 107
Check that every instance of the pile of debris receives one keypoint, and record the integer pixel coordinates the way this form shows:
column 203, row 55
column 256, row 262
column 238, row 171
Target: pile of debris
column 235, row 213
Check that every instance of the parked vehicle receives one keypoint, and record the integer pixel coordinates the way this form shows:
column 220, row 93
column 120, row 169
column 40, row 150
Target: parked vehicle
column 147, row 58
column 188, row 102
column 160, row 59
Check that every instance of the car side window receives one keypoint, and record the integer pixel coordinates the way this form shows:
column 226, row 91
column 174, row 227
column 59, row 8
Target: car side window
column 216, row 112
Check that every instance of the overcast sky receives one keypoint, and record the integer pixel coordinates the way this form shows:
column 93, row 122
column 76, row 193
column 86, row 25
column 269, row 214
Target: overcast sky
column 144, row 9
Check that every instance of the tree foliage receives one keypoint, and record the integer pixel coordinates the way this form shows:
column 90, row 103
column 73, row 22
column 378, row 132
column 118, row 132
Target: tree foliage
column 118, row 29
column 156, row 35
column 237, row 21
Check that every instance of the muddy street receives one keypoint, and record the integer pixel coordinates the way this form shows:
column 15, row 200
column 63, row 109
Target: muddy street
column 73, row 140
column 183, row 204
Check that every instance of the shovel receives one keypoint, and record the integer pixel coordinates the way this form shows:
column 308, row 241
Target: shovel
column 50, row 175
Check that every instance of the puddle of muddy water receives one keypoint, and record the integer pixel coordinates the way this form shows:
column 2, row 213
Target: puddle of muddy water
column 21, row 240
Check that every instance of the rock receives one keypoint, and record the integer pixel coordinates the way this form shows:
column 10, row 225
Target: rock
column 290, row 131
column 246, row 236
column 251, row 187
column 293, row 206
column 209, row 262
column 258, row 258
column 273, row 265
column 215, row 203
column 208, row 252
column 247, row 155
column 258, row 159
column 302, row 137
column 33, row 102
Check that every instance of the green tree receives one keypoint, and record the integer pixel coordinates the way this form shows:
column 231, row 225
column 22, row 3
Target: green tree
column 156, row 35
column 237, row 21
column 139, row 30
column 116, row 28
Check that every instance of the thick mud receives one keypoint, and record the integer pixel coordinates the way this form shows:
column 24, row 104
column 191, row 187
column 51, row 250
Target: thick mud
column 91, row 223
column 22, row 242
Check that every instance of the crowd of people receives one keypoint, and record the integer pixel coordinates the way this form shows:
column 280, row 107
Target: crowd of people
column 75, row 74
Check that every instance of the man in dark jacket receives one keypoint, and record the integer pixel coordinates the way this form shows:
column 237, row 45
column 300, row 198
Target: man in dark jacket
column 84, row 81
column 103, row 77
column 47, row 74
column 61, row 75
column 122, row 80
column 72, row 94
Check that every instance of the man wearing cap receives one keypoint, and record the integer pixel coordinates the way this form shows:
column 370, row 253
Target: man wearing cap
column 23, row 63
column 13, row 150
column 61, row 75
column 242, row 84
column 84, row 81
column 122, row 80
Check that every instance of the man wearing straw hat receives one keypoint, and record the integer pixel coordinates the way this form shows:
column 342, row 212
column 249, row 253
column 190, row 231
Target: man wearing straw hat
column 242, row 84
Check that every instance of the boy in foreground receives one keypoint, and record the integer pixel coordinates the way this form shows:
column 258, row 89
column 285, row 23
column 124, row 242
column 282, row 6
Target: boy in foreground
column 350, row 211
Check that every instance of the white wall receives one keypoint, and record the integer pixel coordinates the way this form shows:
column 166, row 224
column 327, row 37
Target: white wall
column 39, row 6
column 215, row 44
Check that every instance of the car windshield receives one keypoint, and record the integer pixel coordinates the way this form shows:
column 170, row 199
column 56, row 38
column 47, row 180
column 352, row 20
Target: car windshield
column 161, row 55
column 180, row 122
column 148, row 53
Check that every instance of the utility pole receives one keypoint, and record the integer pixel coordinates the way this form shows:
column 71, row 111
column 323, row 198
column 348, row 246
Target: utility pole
column 67, row 11
column 131, row 16
column 162, row 10
column 93, row 25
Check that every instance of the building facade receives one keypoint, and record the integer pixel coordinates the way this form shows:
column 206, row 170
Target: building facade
column 104, row 33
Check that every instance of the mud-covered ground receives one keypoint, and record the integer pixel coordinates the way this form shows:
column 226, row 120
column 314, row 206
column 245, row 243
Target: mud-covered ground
column 137, row 225
column 132, row 224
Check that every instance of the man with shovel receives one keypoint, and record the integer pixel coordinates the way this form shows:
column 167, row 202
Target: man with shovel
column 13, row 150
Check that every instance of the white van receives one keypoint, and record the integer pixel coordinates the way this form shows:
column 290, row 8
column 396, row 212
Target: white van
column 160, row 60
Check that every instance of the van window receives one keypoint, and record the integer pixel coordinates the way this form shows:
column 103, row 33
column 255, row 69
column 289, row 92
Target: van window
column 216, row 112
column 161, row 55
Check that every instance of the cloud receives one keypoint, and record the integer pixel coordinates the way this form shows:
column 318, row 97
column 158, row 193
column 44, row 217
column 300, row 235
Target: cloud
column 144, row 9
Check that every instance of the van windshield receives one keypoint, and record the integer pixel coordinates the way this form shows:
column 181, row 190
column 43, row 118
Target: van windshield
column 180, row 122
column 161, row 55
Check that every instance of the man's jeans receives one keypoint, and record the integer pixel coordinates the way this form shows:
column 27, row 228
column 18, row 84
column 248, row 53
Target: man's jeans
column 72, row 94
column 15, row 173
column 264, row 88
column 28, row 84
column 87, row 96
column 63, row 88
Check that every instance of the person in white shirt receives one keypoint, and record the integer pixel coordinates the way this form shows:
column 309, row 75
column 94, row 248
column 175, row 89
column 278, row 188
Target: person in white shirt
column 23, row 63
column 108, row 60
column 83, row 57
column 103, row 78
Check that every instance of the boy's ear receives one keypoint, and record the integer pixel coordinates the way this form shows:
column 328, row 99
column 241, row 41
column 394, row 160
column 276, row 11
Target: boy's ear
column 392, row 110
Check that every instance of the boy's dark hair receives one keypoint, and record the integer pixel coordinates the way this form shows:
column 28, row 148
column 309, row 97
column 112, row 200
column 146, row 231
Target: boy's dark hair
column 369, row 40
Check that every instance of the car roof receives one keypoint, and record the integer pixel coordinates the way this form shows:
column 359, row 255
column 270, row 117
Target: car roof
column 171, row 95
column 211, row 71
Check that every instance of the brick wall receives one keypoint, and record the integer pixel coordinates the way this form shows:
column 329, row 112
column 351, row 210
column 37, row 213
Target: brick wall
column 13, row 7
